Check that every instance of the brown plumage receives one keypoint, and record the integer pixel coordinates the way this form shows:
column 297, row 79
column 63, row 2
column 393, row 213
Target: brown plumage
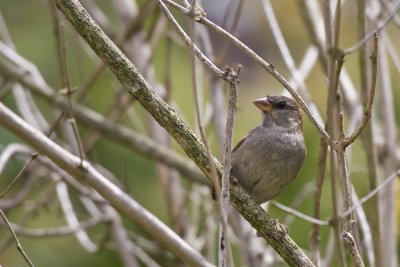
column 270, row 156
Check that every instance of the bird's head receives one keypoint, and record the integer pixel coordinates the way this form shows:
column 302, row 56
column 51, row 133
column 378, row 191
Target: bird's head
column 280, row 112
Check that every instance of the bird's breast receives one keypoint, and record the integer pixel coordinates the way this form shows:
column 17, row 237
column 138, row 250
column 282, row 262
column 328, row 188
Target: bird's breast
column 267, row 162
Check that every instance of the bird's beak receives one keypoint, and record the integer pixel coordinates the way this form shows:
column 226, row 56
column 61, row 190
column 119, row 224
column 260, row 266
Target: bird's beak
column 263, row 104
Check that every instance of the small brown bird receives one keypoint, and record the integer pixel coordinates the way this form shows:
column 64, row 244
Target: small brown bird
column 270, row 156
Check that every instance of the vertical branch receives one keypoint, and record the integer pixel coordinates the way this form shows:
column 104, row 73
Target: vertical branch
column 65, row 82
column 216, row 85
column 344, row 173
column 225, row 194
column 198, row 112
column 214, row 175
column 365, row 229
column 331, row 43
column 389, row 161
column 367, row 138
column 315, row 229
column 312, row 19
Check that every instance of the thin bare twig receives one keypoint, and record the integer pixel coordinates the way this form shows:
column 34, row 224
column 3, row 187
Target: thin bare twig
column 271, row 70
column 334, row 65
column 372, row 193
column 372, row 34
column 298, row 80
column 32, row 212
column 19, row 246
column 265, row 65
column 299, row 214
column 130, row 29
column 319, row 182
column 224, row 246
column 198, row 12
column 388, row 158
column 214, row 175
column 10, row 151
column 72, row 219
column 391, row 49
column 367, row 138
column 18, row 176
column 120, row 134
column 174, row 192
column 365, row 229
column 33, row 157
column 298, row 200
column 348, row 221
column 120, row 236
column 121, row 200
column 216, row 84
column 371, row 95
column 342, row 215
column 345, row 180
column 347, row 237
column 64, row 74
column 57, row 231
column 311, row 15
column 134, row 82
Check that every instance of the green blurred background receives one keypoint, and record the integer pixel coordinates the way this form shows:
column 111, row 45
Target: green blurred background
column 30, row 27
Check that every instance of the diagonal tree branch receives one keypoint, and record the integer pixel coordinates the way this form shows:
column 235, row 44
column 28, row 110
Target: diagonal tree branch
column 11, row 68
column 82, row 169
column 134, row 82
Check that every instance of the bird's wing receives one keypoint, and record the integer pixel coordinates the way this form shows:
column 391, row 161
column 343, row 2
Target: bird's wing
column 241, row 142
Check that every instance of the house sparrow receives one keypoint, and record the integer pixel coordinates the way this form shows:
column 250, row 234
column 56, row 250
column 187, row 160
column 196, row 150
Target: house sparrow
column 269, row 157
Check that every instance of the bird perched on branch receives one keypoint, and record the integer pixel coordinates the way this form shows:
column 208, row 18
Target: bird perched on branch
column 270, row 156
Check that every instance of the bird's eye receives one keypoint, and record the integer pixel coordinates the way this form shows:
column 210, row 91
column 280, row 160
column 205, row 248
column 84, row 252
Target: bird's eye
column 281, row 104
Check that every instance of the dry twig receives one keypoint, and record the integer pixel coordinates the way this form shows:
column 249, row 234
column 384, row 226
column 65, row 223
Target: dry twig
column 133, row 81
